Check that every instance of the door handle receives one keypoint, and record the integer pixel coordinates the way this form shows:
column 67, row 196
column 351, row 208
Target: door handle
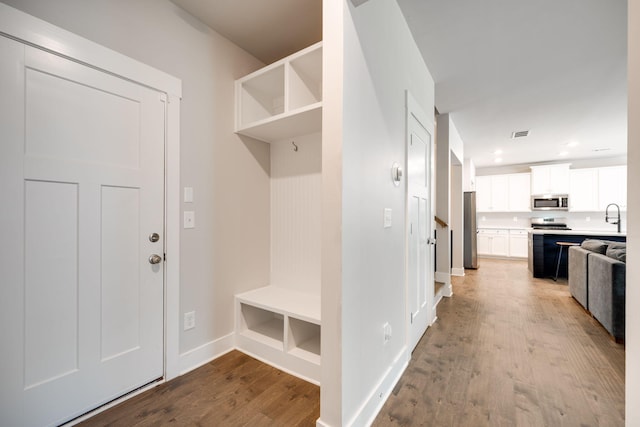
column 155, row 259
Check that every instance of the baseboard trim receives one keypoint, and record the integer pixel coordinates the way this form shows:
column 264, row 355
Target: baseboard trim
column 369, row 410
column 205, row 353
column 457, row 272
column 443, row 277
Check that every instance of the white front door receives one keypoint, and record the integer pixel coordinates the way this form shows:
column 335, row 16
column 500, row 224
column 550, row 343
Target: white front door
column 82, row 188
column 420, row 230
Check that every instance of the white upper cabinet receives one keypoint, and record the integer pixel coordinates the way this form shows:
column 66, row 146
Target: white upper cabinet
column 519, row 192
column 491, row 193
column 503, row 193
column 283, row 99
column 499, row 193
column 593, row 189
column 583, row 192
column 550, row 179
column 483, row 193
column 612, row 187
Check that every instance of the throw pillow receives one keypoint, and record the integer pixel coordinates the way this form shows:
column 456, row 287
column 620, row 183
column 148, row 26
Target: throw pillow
column 618, row 251
column 594, row 245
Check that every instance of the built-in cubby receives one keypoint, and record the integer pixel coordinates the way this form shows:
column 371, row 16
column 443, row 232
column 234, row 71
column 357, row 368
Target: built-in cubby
column 262, row 325
column 282, row 327
column 283, row 99
column 282, row 104
column 304, row 339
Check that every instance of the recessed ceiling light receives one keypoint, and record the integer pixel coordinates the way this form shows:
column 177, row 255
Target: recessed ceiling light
column 563, row 153
column 497, row 159
column 497, row 152
column 573, row 144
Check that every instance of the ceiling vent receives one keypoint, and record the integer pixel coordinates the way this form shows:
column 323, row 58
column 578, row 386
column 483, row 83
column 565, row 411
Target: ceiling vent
column 519, row 134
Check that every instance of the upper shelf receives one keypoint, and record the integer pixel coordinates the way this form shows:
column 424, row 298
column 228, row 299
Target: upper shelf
column 283, row 99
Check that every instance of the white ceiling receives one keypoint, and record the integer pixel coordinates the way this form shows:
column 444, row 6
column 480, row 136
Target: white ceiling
column 554, row 67
column 267, row 29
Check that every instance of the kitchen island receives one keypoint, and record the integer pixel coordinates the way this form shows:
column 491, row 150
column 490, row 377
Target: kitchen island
column 543, row 248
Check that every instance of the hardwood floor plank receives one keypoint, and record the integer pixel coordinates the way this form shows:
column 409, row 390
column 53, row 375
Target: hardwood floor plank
column 510, row 350
column 507, row 350
column 232, row 390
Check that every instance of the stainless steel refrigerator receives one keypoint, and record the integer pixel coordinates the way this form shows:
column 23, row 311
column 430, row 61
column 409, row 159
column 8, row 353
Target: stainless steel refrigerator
column 470, row 231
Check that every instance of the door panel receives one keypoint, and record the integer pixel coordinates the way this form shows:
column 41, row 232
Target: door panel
column 414, row 256
column 109, row 130
column 51, row 281
column 82, row 168
column 420, row 229
column 120, row 290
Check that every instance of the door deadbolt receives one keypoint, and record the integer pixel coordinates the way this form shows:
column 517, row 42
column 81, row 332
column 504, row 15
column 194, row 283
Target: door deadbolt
column 155, row 259
column 154, row 237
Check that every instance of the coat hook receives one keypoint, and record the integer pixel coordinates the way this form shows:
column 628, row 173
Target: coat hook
column 295, row 147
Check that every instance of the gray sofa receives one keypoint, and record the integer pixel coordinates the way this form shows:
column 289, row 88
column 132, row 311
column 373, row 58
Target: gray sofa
column 597, row 276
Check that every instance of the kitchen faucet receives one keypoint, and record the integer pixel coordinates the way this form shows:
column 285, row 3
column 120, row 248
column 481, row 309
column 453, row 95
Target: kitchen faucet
column 617, row 218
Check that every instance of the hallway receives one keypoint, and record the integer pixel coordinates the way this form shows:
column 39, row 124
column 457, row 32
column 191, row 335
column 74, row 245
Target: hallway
column 510, row 350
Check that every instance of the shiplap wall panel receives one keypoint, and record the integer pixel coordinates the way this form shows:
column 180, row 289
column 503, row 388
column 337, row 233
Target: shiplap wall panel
column 296, row 213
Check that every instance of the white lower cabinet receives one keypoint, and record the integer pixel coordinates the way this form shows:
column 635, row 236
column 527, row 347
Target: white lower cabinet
column 501, row 242
column 518, row 244
column 493, row 242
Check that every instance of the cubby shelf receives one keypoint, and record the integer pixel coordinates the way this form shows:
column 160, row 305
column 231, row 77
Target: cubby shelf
column 282, row 327
column 279, row 325
column 283, row 99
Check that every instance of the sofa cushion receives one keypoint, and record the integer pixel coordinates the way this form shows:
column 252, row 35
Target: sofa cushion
column 617, row 251
column 577, row 265
column 606, row 292
column 594, row 245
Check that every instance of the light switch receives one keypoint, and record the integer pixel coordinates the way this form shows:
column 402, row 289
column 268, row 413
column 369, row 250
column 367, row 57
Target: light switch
column 387, row 218
column 189, row 219
column 188, row 194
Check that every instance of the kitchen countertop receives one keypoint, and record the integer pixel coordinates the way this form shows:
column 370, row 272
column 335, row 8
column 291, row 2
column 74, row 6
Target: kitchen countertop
column 580, row 232
column 492, row 227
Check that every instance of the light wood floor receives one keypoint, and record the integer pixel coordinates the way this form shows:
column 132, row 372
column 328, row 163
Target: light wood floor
column 510, row 350
column 233, row 390
column 507, row 350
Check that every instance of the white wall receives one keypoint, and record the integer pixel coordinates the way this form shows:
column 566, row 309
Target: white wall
column 469, row 179
column 229, row 248
column 381, row 61
column 456, row 145
column 449, row 199
column 633, row 213
column 443, row 198
column 457, row 220
column 456, row 202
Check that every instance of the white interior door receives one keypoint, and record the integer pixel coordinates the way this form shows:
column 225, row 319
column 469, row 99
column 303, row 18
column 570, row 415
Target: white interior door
column 82, row 187
column 420, row 230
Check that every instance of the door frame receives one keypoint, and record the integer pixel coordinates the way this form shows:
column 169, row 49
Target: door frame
column 32, row 31
column 414, row 109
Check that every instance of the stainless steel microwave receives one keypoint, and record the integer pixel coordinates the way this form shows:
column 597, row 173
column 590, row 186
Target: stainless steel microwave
column 550, row 202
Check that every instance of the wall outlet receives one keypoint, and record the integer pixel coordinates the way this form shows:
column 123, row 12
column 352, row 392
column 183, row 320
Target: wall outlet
column 515, row 219
column 386, row 331
column 189, row 320
column 588, row 219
